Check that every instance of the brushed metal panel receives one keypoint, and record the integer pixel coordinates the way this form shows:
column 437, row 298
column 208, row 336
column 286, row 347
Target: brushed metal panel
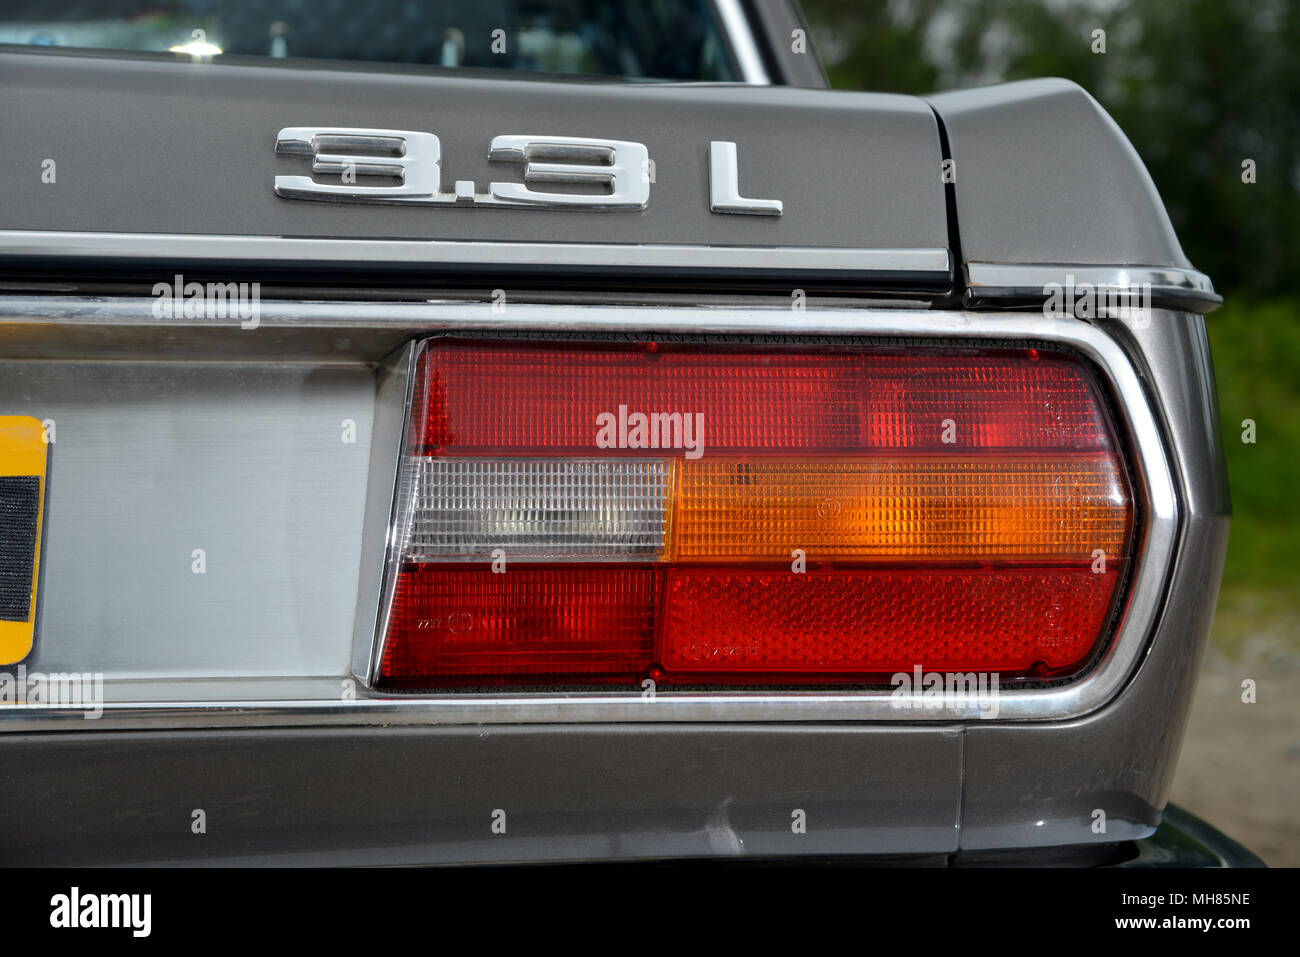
column 154, row 460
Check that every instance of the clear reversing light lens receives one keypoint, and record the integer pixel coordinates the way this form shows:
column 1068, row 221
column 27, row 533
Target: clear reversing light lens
column 538, row 508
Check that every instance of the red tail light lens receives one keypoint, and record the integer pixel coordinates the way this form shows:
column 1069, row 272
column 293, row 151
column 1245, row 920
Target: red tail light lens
column 484, row 400
column 752, row 517
column 536, row 625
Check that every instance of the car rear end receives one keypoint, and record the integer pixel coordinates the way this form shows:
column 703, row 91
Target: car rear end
column 357, row 526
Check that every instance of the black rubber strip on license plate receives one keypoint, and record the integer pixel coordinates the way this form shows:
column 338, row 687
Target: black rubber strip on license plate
column 20, row 500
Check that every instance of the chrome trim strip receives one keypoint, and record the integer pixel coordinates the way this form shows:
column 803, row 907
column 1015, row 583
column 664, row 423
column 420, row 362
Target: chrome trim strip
column 1146, row 588
column 156, row 249
column 997, row 281
column 396, row 386
column 736, row 26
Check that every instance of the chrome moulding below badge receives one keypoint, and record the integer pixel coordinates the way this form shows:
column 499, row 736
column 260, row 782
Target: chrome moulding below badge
column 931, row 267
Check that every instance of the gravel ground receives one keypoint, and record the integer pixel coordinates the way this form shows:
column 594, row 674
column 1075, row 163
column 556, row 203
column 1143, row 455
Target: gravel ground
column 1240, row 763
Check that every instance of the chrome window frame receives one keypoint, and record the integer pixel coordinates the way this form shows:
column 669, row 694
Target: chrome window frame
column 744, row 44
column 1156, row 485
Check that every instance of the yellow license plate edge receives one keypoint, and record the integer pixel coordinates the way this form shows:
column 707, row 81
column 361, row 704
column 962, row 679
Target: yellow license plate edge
column 23, row 453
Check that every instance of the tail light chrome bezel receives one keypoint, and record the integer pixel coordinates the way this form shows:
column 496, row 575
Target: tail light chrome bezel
column 1153, row 485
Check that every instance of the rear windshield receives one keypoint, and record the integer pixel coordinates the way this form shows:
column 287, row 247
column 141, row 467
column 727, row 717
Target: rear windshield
column 647, row 39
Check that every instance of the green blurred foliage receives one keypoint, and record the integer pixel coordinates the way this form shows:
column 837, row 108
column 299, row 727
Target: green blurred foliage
column 1198, row 85
column 1256, row 350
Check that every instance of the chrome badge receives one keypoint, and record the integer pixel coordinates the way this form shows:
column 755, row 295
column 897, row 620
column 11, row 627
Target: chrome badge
column 415, row 159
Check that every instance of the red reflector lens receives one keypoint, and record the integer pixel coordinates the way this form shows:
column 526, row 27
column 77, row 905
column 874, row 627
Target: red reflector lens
column 709, row 515
column 735, row 625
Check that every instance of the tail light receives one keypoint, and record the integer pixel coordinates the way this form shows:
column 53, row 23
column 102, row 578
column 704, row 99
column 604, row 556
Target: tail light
column 714, row 516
